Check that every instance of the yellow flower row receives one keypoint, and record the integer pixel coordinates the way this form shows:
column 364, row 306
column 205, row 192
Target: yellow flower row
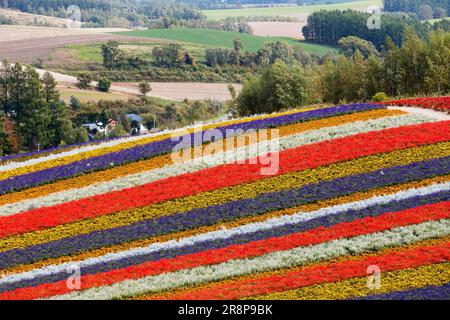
column 187, row 233
column 220, row 196
column 169, row 294
column 98, row 152
column 240, row 120
column 431, row 275
column 160, row 161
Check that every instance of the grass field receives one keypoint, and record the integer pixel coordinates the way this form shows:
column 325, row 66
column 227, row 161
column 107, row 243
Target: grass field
column 92, row 52
column 288, row 11
column 220, row 38
column 91, row 95
column 432, row 21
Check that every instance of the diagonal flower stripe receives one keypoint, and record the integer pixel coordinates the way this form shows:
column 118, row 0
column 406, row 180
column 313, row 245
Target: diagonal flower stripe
column 274, row 260
column 164, row 146
column 351, row 229
column 231, row 210
column 256, row 235
column 399, row 280
column 427, row 293
column 158, row 162
column 237, row 154
column 304, row 157
column 353, row 186
column 315, row 274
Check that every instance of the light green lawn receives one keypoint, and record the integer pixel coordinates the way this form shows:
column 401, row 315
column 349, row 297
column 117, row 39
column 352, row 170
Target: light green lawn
column 220, row 38
column 287, row 11
column 432, row 21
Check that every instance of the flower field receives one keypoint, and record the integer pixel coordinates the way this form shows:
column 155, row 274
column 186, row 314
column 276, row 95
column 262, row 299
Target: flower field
column 439, row 104
column 352, row 189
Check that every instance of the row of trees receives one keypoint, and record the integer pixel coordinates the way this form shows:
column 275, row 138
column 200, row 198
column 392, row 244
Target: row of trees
column 425, row 9
column 109, row 13
column 32, row 114
column 417, row 67
column 228, row 24
column 266, row 55
column 329, row 26
column 174, row 55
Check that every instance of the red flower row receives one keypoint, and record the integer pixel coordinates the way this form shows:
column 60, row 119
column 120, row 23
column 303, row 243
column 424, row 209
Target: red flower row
column 343, row 230
column 301, row 158
column 315, row 274
column 439, row 104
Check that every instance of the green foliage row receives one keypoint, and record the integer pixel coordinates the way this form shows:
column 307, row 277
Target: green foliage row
column 418, row 67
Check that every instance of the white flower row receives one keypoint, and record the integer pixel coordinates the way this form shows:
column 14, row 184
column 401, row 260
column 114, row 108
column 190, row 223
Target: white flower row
column 180, row 131
column 271, row 261
column 227, row 233
column 200, row 163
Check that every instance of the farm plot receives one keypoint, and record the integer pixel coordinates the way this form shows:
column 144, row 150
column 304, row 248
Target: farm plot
column 220, row 38
column 278, row 29
column 300, row 12
column 25, row 44
column 301, row 215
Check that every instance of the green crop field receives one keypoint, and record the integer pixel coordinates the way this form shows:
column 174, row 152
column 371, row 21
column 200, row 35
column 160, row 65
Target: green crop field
column 220, row 38
column 287, row 10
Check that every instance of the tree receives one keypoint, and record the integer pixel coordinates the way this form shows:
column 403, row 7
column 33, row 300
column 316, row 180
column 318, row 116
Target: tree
column 171, row 55
column 35, row 115
column 425, row 12
column 49, row 86
column 60, row 124
column 74, row 103
column 437, row 53
column 278, row 87
column 125, row 122
column 440, row 13
column 117, row 132
column 111, row 54
column 104, row 84
column 84, row 80
column 144, row 88
column 237, row 45
column 5, row 145
column 349, row 45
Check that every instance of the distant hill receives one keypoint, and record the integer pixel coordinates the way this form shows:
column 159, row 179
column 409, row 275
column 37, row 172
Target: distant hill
column 118, row 13
column 28, row 19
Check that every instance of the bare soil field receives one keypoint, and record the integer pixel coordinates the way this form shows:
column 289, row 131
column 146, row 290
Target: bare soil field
column 183, row 90
column 25, row 44
column 278, row 29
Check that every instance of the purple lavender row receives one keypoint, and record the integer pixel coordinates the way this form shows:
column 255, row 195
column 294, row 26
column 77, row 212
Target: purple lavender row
column 50, row 150
column 263, row 203
column 164, row 146
column 427, row 293
column 279, row 231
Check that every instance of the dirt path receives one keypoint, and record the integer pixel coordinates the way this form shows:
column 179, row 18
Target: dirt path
column 427, row 112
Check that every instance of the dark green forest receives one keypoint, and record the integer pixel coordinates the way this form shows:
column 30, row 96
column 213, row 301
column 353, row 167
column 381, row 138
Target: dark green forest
column 329, row 26
column 106, row 13
column 425, row 8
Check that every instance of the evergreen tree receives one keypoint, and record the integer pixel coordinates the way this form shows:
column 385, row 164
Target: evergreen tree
column 35, row 116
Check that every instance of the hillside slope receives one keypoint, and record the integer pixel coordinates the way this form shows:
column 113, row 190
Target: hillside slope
column 305, row 210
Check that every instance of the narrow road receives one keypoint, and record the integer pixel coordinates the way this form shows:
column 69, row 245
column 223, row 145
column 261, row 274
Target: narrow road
column 177, row 91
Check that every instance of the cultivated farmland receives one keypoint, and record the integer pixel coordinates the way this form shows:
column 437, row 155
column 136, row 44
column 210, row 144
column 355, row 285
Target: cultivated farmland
column 301, row 215
column 26, row 43
column 300, row 12
column 219, row 38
